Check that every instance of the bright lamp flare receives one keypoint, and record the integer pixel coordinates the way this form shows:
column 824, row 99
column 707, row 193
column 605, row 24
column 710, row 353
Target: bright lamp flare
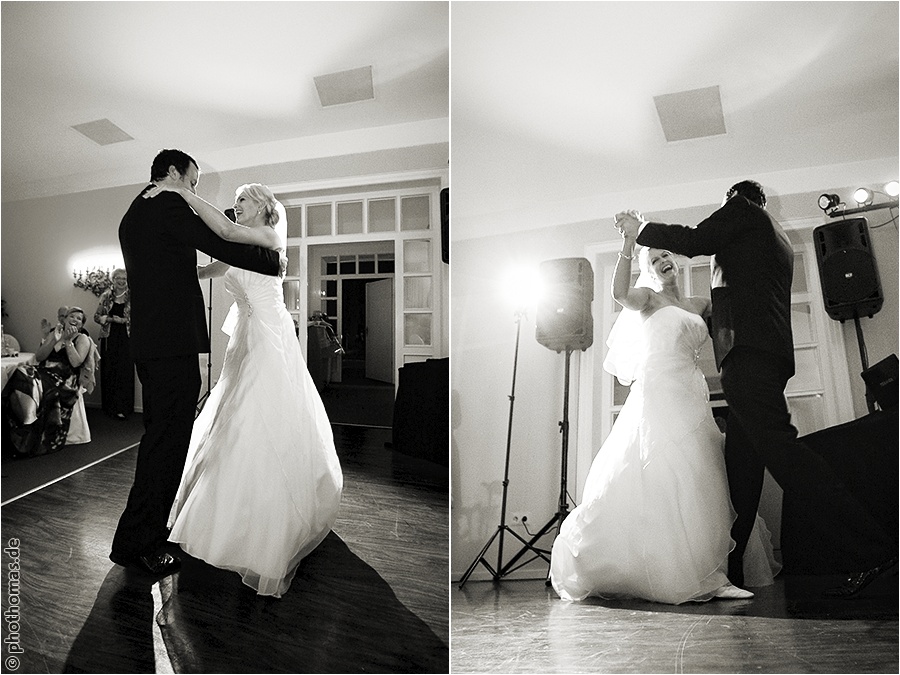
column 892, row 189
column 522, row 287
column 863, row 196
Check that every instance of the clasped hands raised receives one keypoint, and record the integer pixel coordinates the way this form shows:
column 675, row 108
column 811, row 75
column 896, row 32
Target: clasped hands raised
column 629, row 222
column 69, row 333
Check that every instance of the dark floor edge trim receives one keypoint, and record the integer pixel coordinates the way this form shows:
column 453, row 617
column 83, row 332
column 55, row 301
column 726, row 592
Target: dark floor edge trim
column 71, row 473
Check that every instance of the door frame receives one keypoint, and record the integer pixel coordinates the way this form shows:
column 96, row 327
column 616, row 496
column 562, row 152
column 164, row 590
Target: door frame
column 398, row 184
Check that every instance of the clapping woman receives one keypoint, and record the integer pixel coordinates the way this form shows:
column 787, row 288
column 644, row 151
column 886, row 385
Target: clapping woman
column 42, row 398
column 117, row 374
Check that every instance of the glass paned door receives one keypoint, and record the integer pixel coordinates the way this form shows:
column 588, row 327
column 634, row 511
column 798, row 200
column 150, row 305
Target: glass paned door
column 418, row 309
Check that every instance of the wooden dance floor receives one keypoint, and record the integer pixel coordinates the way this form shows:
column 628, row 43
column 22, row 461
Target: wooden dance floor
column 371, row 598
column 523, row 627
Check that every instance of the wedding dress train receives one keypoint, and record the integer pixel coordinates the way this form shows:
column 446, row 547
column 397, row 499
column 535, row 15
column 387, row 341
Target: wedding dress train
column 262, row 482
column 655, row 517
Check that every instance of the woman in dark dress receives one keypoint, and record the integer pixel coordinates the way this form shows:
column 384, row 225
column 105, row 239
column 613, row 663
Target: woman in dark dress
column 117, row 374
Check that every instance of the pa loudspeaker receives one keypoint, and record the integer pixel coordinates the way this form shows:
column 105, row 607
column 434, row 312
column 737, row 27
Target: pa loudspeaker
column 882, row 382
column 445, row 225
column 564, row 320
column 850, row 283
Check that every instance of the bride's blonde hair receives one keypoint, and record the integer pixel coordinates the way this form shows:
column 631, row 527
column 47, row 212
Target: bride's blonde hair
column 263, row 196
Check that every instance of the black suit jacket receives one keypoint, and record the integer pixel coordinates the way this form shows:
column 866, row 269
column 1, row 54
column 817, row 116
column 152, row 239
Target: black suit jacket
column 752, row 268
column 160, row 238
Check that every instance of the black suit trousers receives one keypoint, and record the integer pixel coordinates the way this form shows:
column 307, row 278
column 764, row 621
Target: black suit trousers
column 760, row 435
column 171, row 387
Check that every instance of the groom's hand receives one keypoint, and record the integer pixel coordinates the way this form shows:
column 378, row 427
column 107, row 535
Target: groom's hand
column 628, row 223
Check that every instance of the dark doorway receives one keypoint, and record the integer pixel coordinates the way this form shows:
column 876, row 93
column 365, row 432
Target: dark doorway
column 356, row 399
column 353, row 305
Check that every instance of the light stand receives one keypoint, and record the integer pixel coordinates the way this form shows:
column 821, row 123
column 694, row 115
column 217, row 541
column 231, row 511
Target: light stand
column 864, row 361
column 502, row 570
column 563, row 504
column 209, row 309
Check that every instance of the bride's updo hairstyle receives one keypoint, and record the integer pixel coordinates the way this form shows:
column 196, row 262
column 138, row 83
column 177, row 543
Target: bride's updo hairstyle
column 263, row 196
column 647, row 276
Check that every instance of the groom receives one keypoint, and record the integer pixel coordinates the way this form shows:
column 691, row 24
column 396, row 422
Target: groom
column 160, row 238
column 751, row 272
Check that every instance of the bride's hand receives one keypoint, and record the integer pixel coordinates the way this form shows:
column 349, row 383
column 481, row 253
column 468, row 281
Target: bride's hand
column 628, row 223
column 159, row 188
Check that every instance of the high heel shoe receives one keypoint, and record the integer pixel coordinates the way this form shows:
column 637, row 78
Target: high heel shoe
column 731, row 592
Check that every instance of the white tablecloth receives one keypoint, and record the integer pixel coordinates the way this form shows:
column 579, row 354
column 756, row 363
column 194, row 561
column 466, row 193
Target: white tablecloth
column 10, row 363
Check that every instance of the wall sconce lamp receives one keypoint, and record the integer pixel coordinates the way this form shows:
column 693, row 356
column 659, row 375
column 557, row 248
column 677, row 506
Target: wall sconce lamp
column 93, row 279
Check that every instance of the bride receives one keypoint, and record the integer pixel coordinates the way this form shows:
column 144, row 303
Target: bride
column 656, row 517
column 262, row 483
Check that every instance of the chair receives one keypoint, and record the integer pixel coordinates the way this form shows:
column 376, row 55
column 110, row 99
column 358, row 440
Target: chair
column 10, row 344
column 79, row 431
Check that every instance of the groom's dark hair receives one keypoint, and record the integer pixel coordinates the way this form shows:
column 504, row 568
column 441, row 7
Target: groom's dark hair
column 749, row 189
column 166, row 158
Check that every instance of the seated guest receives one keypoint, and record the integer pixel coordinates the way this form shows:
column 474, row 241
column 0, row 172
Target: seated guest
column 47, row 327
column 42, row 397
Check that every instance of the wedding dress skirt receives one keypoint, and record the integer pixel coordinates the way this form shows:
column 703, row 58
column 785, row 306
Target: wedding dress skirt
column 656, row 516
column 262, row 482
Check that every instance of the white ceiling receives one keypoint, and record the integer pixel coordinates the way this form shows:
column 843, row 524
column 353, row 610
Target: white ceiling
column 553, row 115
column 232, row 83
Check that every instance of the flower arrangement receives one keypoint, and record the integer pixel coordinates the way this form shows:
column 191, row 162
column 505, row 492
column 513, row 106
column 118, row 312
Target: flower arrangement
column 95, row 280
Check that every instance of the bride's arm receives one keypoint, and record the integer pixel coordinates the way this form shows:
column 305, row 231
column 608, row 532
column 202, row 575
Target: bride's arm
column 219, row 223
column 630, row 298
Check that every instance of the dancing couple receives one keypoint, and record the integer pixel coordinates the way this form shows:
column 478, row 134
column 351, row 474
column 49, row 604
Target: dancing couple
column 669, row 509
column 253, row 484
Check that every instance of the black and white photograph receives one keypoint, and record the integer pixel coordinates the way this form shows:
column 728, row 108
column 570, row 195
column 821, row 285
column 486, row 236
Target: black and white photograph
column 674, row 337
column 225, row 337
column 270, row 405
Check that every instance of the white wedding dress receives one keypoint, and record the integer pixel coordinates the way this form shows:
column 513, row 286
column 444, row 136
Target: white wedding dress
column 262, row 482
column 655, row 518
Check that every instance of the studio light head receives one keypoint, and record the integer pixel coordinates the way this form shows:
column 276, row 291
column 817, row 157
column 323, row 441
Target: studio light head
column 828, row 202
column 863, row 196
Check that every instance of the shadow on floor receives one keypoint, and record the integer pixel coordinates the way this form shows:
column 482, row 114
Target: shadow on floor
column 210, row 622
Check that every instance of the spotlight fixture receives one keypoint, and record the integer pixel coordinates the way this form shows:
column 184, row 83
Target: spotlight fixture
column 827, row 201
column 863, row 196
column 892, row 188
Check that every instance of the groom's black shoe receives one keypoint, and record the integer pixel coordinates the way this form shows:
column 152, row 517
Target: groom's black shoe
column 158, row 564
column 856, row 582
column 154, row 564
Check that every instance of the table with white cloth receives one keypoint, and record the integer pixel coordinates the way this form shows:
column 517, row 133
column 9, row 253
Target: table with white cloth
column 10, row 363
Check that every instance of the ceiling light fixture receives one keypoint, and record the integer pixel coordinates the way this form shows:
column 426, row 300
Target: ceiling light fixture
column 892, row 188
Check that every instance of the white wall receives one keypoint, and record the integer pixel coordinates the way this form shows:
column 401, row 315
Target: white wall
column 483, row 336
column 42, row 238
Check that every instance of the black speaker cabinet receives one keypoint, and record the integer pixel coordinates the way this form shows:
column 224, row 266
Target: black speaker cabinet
column 881, row 381
column 445, row 225
column 564, row 320
column 850, row 283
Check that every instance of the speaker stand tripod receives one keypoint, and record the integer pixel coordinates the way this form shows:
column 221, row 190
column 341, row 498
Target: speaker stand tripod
column 864, row 361
column 209, row 309
column 528, row 546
